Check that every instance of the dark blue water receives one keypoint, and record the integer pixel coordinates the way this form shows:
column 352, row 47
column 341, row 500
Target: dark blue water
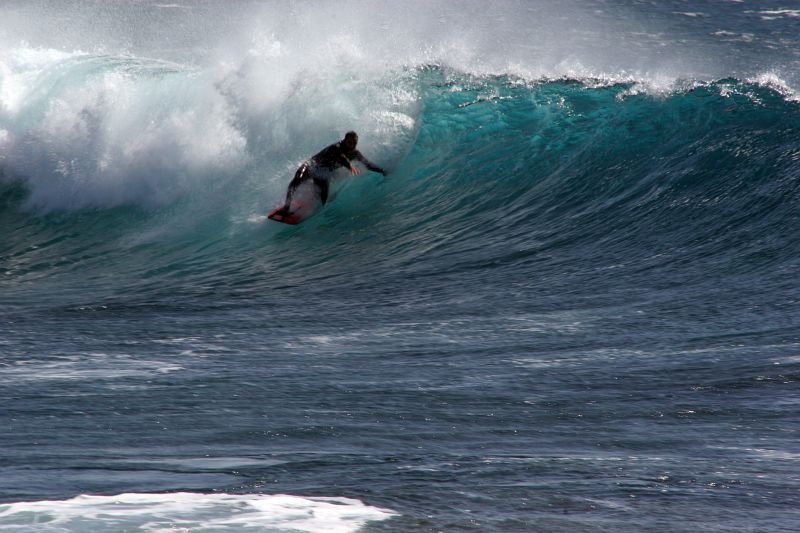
column 572, row 305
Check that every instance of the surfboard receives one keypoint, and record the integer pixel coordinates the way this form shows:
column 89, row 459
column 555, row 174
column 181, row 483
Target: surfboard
column 279, row 215
column 299, row 211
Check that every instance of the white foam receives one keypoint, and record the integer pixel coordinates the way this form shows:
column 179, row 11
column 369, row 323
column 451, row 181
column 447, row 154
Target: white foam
column 102, row 131
column 185, row 512
column 86, row 367
column 777, row 84
column 88, row 131
column 770, row 14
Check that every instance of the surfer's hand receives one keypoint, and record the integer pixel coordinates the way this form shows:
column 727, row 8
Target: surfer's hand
column 355, row 171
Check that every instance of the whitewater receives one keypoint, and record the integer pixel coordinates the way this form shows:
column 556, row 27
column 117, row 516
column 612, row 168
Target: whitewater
column 571, row 305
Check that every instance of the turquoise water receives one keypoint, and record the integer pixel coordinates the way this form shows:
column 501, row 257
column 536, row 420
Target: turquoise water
column 571, row 305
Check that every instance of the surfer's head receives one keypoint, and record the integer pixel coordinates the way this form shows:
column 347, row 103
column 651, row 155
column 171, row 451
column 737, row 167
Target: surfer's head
column 350, row 141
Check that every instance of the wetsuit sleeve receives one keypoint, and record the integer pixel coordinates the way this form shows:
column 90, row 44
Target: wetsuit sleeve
column 374, row 168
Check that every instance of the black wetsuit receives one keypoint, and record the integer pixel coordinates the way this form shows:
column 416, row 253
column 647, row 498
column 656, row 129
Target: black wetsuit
column 330, row 158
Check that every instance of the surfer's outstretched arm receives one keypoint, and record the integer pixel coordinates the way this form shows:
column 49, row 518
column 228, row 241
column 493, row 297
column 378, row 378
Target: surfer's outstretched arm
column 354, row 170
column 367, row 163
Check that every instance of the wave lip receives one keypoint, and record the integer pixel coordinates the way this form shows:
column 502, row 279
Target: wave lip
column 183, row 511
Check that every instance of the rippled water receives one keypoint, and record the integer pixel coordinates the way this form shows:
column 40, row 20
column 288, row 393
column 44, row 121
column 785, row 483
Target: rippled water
column 571, row 305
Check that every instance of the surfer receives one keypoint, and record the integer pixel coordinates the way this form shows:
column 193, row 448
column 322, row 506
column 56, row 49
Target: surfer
column 319, row 167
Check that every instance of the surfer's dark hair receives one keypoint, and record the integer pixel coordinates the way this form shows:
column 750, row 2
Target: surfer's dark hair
column 351, row 135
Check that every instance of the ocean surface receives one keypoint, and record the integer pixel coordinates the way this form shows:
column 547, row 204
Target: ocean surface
column 572, row 305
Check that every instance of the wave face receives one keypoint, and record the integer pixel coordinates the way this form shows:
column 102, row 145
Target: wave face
column 572, row 292
column 486, row 170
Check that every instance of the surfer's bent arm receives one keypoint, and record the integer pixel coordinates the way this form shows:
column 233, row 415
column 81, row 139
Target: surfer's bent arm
column 367, row 163
column 347, row 164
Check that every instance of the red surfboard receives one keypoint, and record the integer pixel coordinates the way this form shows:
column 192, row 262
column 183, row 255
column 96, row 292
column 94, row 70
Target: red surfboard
column 279, row 215
column 298, row 212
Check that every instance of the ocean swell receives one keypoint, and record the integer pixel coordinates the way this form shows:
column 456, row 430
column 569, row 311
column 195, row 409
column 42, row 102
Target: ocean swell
column 480, row 165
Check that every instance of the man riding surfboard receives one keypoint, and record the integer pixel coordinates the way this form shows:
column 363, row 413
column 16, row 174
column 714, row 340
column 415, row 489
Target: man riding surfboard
column 320, row 167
